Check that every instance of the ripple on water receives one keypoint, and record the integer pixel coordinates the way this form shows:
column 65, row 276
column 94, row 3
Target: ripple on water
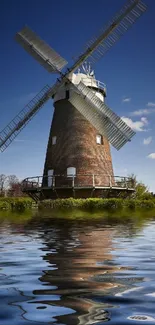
column 72, row 273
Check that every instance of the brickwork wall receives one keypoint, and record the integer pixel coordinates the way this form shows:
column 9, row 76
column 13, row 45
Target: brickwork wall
column 76, row 145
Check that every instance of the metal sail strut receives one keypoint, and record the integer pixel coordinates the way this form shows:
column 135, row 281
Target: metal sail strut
column 113, row 31
column 97, row 47
column 8, row 134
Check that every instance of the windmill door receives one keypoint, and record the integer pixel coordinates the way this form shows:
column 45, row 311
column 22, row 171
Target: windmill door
column 50, row 177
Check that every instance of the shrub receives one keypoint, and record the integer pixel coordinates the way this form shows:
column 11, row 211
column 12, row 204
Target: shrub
column 12, row 203
column 92, row 204
column 4, row 205
column 89, row 204
column 147, row 204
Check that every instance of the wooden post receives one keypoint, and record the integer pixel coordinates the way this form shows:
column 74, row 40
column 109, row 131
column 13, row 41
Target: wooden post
column 53, row 181
column 93, row 180
column 73, row 181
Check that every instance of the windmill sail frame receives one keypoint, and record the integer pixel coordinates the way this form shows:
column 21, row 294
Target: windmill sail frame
column 9, row 133
column 41, row 51
column 100, row 116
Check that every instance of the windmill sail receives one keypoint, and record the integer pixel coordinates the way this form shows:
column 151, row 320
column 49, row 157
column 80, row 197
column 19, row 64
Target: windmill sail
column 100, row 116
column 42, row 52
column 107, row 122
column 97, row 47
column 8, row 134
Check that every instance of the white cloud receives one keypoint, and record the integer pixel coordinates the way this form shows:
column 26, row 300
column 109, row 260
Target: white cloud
column 145, row 111
column 150, row 104
column 126, row 100
column 137, row 125
column 147, row 141
column 151, row 155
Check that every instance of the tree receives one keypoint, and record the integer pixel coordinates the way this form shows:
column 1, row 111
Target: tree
column 15, row 190
column 10, row 186
column 14, row 186
column 133, row 180
column 12, row 179
column 141, row 190
column 3, row 179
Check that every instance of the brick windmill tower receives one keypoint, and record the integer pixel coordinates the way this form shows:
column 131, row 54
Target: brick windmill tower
column 75, row 146
column 78, row 152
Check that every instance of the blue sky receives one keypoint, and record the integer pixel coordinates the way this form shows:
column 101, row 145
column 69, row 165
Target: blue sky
column 128, row 70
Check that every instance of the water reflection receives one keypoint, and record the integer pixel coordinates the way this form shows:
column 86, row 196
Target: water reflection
column 75, row 273
column 78, row 256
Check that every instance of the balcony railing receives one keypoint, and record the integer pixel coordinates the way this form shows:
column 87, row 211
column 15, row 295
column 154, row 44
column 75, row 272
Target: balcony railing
column 78, row 181
column 94, row 83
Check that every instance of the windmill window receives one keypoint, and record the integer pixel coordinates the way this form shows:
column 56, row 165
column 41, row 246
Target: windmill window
column 54, row 140
column 71, row 171
column 98, row 139
column 50, row 177
column 67, row 94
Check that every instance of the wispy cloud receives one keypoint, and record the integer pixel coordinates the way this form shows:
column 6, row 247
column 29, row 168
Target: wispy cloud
column 24, row 99
column 19, row 140
column 151, row 104
column 138, row 126
column 151, row 155
column 126, row 100
column 147, row 141
column 20, row 101
column 145, row 111
column 26, row 140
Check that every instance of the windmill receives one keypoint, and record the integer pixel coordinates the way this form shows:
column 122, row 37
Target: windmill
column 83, row 125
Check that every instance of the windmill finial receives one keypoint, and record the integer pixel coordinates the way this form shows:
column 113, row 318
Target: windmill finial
column 87, row 68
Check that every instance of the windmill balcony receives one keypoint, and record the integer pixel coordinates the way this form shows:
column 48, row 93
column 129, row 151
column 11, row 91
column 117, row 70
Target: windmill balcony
column 95, row 84
column 81, row 185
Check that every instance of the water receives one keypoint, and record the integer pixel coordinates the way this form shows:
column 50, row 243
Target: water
column 67, row 272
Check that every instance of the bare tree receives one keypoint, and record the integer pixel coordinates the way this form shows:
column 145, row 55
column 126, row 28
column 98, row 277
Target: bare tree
column 15, row 190
column 3, row 179
column 14, row 186
column 11, row 180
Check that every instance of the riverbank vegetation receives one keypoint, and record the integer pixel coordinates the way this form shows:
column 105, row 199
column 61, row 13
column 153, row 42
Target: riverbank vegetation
column 90, row 204
column 18, row 204
column 96, row 204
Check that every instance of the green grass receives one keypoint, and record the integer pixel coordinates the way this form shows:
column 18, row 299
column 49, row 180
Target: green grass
column 90, row 204
column 12, row 203
column 97, row 204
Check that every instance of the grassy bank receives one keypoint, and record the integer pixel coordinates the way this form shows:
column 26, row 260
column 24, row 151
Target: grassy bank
column 91, row 204
column 97, row 204
column 12, row 203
